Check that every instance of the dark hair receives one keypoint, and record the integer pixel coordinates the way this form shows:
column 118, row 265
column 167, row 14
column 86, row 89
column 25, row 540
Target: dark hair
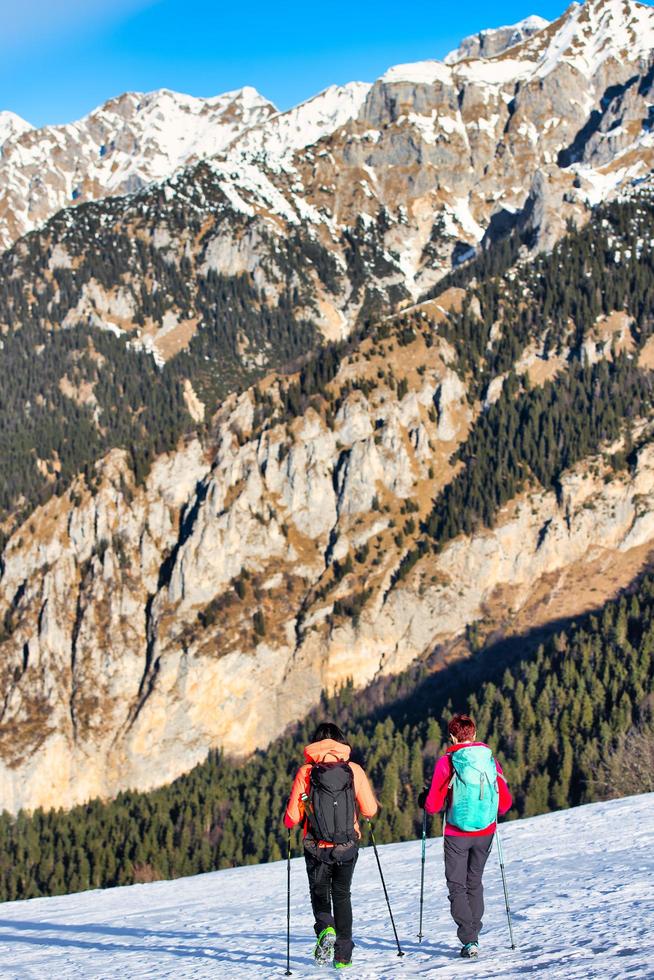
column 327, row 729
column 463, row 728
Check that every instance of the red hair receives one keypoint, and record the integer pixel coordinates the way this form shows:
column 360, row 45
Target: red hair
column 463, row 728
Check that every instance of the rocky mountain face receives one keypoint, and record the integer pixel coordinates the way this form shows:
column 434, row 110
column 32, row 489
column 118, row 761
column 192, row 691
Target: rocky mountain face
column 117, row 149
column 212, row 602
column 491, row 42
column 303, row 516
column 396, row 181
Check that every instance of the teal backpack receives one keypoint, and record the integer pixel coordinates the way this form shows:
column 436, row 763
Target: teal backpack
column 474, row 794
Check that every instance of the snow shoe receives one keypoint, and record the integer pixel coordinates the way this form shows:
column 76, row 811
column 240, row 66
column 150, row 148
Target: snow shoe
column 325, row 946
column 470, row 951
column 339, row 965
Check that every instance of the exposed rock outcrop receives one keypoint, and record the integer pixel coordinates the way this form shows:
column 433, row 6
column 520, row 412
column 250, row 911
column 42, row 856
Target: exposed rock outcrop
column 130, row 643
column 210, row 603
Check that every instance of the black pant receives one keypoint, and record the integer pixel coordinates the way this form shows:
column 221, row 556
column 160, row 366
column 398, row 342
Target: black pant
column 331, row 883
column 465, row 858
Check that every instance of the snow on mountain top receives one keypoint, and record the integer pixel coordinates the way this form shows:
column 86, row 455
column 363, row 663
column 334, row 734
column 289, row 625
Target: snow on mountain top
column 493, row 41
column 180, row 127
column 419, row 73
column 533, row 23
column 247, row 96
column 579, row 884
column 590, row 34
column 584, row 37
column 122, row 145
column 282, row 134
column 12, row 125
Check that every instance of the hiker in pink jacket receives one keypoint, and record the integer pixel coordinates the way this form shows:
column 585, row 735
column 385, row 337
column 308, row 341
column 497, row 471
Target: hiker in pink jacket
column 469, row 782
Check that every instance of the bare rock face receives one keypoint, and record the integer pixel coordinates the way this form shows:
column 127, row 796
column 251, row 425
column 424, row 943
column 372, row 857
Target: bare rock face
column 490, row 43
column 130, row 645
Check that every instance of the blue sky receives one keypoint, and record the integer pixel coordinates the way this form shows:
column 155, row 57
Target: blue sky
column 61, row 58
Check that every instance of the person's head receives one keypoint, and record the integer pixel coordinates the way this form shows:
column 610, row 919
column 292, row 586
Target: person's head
column 327, row 729
column 462, row 729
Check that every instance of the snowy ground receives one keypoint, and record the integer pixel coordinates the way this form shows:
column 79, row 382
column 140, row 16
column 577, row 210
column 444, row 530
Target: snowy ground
column 581, row 886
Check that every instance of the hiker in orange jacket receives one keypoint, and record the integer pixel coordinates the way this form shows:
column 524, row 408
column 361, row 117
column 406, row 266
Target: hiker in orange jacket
column 327, row 792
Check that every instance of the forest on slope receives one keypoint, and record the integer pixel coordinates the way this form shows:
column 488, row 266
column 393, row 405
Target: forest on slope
column 564, row 712
column 69, row 395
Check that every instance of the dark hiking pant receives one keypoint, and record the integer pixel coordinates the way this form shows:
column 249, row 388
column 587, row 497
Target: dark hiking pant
column 465, row 858
column 330, row 884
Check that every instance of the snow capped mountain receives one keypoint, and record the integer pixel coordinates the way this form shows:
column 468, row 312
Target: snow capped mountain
column 529, row 88
column 568, row 924
column 583, row 38
column 352, row 205
column 438, row 154
column 116, row 149
column 586, row 36
column 278, row 137
column 11, row 125
column 494, row 41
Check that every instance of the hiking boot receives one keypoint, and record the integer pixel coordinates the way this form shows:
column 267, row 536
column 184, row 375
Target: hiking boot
column 339, row 965
column 470, row 951
column 325, row 946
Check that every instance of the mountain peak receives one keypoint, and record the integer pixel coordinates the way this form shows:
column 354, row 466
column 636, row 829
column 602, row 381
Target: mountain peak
column 12, row 125
column 280, row 135
column 493, row 41
column 586, row 35
column 117, row 148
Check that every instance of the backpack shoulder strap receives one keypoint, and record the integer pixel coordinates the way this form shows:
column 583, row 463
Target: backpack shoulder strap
column 310, row 825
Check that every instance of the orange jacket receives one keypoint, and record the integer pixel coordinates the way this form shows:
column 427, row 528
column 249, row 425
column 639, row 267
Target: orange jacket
column 329, row 751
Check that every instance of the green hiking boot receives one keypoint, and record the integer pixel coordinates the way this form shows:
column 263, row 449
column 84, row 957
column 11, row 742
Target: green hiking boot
column 338, row 965
column 325, row 945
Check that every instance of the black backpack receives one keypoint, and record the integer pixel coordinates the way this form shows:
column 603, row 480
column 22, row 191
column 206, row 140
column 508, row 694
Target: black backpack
column 330, row 809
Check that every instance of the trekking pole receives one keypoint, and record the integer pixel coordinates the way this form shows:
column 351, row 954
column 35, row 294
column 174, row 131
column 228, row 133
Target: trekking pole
column 422, row 871
column 288, row 907
column 500, row 855
column 374, row 846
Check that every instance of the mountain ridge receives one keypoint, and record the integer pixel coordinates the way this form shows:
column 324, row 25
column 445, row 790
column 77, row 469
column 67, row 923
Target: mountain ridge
column 582, row 39
column 494, row 40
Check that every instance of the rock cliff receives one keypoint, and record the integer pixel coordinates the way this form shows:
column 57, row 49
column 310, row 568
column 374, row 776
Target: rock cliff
column 212, row 604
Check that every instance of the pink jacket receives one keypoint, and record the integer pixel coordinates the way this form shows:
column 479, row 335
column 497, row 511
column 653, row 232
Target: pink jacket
column 440, row 787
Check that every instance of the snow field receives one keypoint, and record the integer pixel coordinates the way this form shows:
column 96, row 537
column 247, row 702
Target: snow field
column 580, row 883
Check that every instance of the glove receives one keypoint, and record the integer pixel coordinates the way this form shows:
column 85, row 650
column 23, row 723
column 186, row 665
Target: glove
column 422, row 797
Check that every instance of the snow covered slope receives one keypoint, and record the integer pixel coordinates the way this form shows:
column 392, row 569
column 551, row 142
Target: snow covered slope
column 583, row 39
column 116, row 149
column 278, row 137
column 580, row 885
column 11, row 126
